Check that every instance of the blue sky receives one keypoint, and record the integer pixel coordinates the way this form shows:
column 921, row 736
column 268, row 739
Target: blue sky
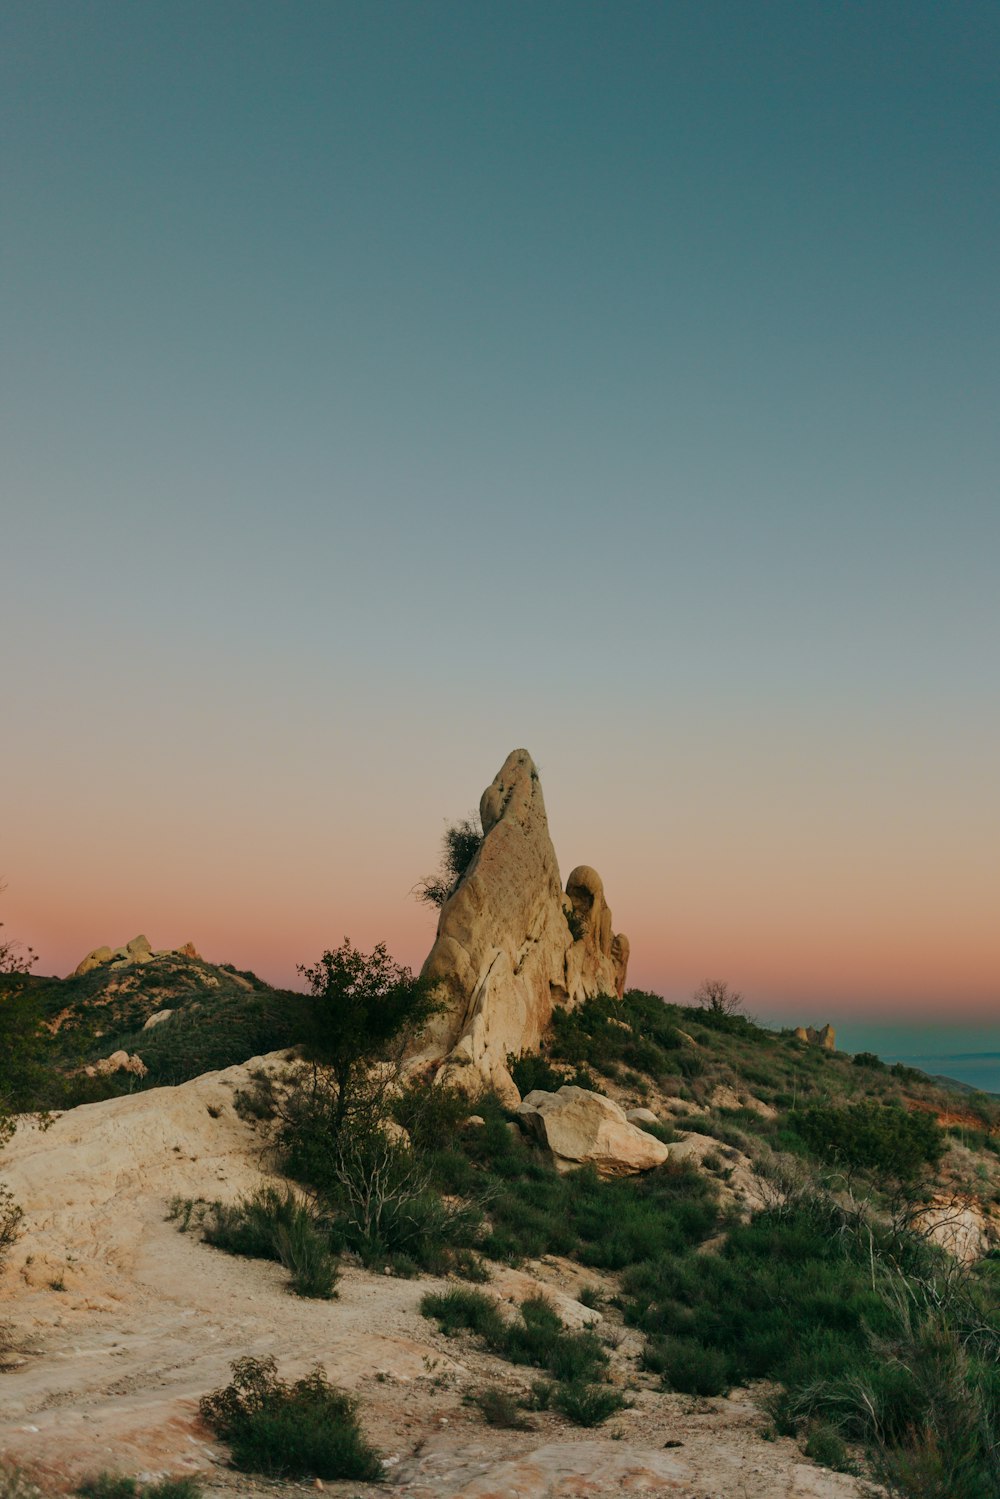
column 388, row 385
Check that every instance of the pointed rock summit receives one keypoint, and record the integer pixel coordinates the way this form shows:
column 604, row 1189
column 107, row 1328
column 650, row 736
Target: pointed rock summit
column 511, row 944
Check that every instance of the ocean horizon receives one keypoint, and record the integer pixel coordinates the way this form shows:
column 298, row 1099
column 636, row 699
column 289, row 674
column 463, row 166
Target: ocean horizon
column 968, row 1052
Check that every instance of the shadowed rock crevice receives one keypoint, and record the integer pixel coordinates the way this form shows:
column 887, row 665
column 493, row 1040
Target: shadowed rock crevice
column 511, row 944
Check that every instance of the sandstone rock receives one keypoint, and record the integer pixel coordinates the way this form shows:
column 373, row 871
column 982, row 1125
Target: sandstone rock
column 138, row 950
column 505, row 955
column 92, row 960
column 118, row 1061
column 641, row 1116
column 157, row 1019
column 583, row 1128
column 559, row 1470
column 826, row 1037
column 742, row 1186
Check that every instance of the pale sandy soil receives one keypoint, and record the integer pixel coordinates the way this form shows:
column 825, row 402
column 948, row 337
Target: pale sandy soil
column 110, row 1367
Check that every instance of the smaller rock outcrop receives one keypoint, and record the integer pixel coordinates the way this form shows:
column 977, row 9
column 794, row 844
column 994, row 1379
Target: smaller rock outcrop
column 581, row 1128
column 139, row 950
column 118, row 1061
column 157, row 1019
column 641, row 1117
column 826, row 1037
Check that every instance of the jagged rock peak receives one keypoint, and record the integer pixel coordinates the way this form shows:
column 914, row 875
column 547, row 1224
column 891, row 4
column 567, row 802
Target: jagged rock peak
column 511, row 945
column 136, row 951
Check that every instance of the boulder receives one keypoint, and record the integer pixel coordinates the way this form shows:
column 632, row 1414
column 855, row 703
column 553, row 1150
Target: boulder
column 139, row 950
column 92, row 960
column 511, row 946
column 641, row 1117
column 583, row 1128
column 157, row 1019
column 118, row 1061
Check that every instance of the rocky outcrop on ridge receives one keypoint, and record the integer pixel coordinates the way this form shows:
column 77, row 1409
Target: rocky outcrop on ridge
column 511, row 946
column 581, row 1128
column 827, row 1037
column 136, row 951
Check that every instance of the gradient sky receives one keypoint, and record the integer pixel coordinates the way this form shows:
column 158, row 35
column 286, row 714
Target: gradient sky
column 388, row 385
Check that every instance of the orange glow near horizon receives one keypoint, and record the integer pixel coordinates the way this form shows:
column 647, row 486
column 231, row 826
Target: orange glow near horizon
column 799, row 914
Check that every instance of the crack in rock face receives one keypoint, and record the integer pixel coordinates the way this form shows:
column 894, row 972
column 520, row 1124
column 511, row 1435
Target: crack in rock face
column 511, row 943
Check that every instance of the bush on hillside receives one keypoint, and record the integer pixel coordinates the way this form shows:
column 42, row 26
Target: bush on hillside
column 536, row 1210
column 874, row 1136
column 608, row 1034
column 307, row 1429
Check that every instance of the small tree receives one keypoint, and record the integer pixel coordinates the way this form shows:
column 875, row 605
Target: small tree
column 362, row 1009
column 459, row 846
column 716, row 996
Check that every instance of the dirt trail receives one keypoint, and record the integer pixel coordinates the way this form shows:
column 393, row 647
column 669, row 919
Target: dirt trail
column 122, row 1322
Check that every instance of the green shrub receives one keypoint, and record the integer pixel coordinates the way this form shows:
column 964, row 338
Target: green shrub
column 305, row 1254
column 460, row 1309
column 876, row 1136
column 499, row 1408
column 304, row 1430
column 607, row 1033
column 533, row 1071
column 430, row 1112
column 587, row 1405
column 537, row 1337
column 825, row 1446
column 686, row 1365
column 534, row 1210
column 108, row 1486
column 385, row 1204
column 459, row 846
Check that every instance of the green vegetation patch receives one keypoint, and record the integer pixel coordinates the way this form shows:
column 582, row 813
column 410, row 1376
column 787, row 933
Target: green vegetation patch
column 534, row 1210
column 875, row 1136
column 307, row 1429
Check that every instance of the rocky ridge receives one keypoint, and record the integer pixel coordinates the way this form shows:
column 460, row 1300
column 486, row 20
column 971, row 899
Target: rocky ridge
column 139, row 950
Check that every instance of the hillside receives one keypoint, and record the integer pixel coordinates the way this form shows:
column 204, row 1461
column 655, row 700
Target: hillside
column 210, row 1016
column 120, row 1321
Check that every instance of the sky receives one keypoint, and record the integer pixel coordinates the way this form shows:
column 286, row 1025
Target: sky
column 387, row 386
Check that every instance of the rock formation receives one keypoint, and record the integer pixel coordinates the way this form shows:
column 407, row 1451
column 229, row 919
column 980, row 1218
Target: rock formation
column 118, row 1061
column 827, row 1037
column 511, row 946
column 136, row 951
column 581, row 1128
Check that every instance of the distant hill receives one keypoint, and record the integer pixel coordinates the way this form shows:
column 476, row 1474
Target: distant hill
column 219, row 1016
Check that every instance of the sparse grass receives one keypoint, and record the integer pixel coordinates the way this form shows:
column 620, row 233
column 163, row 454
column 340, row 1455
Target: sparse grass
column 307, row 1429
